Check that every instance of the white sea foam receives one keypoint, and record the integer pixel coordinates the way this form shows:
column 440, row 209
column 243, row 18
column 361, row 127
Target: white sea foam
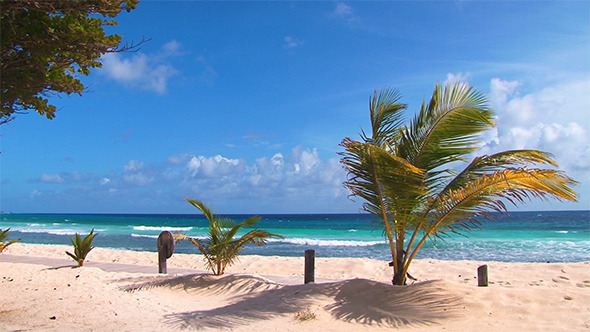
column 65, row 231
column 146, row 236
column 327, row 243
column 161, row 228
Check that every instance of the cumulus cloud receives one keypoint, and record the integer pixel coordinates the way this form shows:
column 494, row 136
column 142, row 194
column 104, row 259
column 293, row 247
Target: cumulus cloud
column 554, row 119
column 297, row 181
column 300, row 181
column 302, row 168
column 148, row 72
column 135, row 174
column 213, row 167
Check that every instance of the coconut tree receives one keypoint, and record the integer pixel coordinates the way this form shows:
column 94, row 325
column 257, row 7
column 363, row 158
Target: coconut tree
column 416, row 177
column 220, row 249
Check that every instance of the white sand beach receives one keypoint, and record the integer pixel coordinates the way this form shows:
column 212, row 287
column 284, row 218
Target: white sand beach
column 268, row 294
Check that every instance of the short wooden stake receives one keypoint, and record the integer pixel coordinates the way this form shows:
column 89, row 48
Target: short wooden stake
column 482, row 276
column 165, row 250
column 162, row 266
column 309, row 266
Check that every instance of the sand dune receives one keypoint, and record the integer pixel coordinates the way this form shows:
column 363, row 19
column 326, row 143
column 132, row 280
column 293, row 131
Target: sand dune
column 521, row 297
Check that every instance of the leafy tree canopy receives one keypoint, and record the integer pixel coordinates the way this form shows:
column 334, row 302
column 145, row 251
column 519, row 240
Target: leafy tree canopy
column 47, row 45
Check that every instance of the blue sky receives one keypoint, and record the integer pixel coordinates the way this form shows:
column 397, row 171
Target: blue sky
column 243, row 104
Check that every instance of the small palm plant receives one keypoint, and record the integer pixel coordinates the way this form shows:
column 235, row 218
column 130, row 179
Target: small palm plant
column 220, row 248
column 3, row 238
column 81, row 247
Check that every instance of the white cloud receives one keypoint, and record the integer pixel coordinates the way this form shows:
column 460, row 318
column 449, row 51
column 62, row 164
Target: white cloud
column 342, row 9
column 304, row 160
column 460, row 77
column 171, row 48
column 63, row 178
column 213, row 167
column 500, row 90
column 344, row 12
column 135, row 174
column 298, row 182
column 35, row 193
column 179, row 159
column 292, row 42
column 133, row 165
column 148, row 72
column 52, row 178
column 553, row 119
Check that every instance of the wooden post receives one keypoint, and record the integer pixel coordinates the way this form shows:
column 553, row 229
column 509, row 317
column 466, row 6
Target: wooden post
column 309, row 266
column 482, row 276
column 165, row 250
column 162, row 267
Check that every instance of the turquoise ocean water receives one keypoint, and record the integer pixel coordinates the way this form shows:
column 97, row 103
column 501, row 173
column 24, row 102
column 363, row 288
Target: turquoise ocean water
column 562, row 236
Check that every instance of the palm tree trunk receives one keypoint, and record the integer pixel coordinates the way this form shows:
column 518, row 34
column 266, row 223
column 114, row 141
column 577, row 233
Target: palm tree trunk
column 399, row 279
column 219, row 270
column 399, row 272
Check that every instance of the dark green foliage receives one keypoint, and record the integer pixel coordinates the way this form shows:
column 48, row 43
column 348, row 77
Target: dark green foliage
column 47, row 45
column 3, row 238
column 81, row 247
column 220, row 248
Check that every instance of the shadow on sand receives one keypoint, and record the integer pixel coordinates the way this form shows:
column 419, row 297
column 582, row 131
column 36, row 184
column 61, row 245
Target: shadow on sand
column 357, row 300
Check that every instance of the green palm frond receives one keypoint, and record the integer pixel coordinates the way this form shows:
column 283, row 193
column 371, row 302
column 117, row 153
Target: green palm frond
column 386, row 116
column 257, row 237
column 447, row 129
column 220, row 249
column 4, row 237
column 215, row 225
column 457, row 210
column 376, row 176
column 81, row 247
column 246, row 223
column 499, row 161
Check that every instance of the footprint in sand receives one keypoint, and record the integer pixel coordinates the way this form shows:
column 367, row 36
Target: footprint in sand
column 561, row 280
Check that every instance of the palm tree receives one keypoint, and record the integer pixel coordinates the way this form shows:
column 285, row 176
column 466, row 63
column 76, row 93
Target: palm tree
column 220, row 249
column 406, row 172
